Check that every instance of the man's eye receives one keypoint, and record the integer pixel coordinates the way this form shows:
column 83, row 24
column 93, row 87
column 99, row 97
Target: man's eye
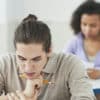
column 22, row 59
column 36, row 59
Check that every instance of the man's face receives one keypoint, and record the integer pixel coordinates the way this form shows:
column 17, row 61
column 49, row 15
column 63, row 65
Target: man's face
column 31, row 58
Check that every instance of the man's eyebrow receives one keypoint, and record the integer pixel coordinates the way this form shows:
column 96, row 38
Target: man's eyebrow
column 37, row 57
column 21, row 57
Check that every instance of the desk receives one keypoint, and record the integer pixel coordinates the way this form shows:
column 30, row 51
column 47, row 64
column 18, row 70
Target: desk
column 95, row 83
column 96, row 87
column 96, row 91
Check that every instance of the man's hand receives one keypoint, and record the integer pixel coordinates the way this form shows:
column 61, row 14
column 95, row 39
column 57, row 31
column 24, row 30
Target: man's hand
column 93, row 73
column 31, row 91
column 33, row 86
column 20, row 96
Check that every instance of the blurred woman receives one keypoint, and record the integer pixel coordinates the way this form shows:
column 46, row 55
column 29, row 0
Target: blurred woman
column 86, row 44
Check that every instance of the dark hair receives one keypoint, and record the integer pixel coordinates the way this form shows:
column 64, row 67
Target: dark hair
column 30, row 17
column 33, row 31
column 88, row 7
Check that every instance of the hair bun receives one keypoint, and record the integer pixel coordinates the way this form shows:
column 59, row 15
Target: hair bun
column 30, row 17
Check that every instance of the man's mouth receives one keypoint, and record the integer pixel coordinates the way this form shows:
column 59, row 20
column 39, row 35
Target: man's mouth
column 31, row 75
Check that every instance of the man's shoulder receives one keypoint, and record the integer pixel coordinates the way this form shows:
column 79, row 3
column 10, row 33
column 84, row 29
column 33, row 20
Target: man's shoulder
column 65, row 58
column 61, row 61
column 7, row 57
column 69, row 59
column 7, row 61
column 69, row 62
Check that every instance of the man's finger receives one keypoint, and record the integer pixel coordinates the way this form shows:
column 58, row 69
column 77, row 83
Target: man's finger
column 10, row 97
column 20, row 95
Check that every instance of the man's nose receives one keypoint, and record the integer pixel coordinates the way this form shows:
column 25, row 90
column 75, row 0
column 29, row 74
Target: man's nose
column 29, row 65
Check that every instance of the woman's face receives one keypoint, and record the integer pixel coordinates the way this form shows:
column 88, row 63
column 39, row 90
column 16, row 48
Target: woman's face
column 90, row 25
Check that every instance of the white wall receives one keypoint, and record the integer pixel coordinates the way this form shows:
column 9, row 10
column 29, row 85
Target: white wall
column 56, row 13
column 15, row 11
column 3, row 27
column 10, row 12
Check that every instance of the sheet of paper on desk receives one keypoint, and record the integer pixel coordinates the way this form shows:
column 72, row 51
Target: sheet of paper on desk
column 95, row 83
column 88, row 64
column 97, row 61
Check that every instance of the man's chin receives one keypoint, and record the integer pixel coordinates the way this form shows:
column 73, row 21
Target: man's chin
column 31, row 78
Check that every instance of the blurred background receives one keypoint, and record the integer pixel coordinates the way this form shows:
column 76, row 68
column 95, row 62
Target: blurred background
column 56, row 13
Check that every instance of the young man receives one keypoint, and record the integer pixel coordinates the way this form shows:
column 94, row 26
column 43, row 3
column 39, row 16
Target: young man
column 67, row 80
